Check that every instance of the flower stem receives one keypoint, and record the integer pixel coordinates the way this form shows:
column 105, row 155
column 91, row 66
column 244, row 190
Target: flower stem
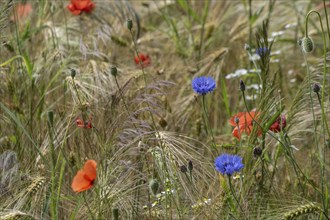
column 234, row 195
column 208, row 127
column 89, row 209
column 321, row 100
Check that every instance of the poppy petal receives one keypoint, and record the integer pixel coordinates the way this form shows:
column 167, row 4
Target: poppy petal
column 245, row 118
column 90, row 169
column 237, row 133
column 80, row 183
column 80, row 123
column 80, row 4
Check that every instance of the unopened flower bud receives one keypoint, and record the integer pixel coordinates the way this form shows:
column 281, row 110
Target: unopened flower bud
column 129, row 24
column 114, row 71
column 316, row 88
column 242, row 85
column 154, row 186
column 163, row 123
column 73, row 73
column 307, row 44
column 257, row 151
column 183, row 169
column 190, row 165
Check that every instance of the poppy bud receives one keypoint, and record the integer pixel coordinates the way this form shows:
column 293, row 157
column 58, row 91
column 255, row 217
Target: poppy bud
column 114, row 71
column 129, row 24
column 51, row 118
column 307, row 44
column 73, row 73
column 115, row 213
column 242, row 85
column 316, row 88
column 163, row 123
column 154, row 186
column 183, row 169
column 190, row 165
column 257, row 151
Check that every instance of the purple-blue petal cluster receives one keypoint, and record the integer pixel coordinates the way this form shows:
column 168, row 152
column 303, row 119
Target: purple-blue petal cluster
column 262, row 51
column 228, row 164
column 203, row 84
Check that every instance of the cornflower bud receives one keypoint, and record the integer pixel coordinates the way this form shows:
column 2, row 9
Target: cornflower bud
column 242, row 85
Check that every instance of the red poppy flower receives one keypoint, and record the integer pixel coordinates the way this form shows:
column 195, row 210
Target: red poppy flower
column 78, row 6
column 145, row 59
column 84, row 124
column 22, row 11
column 245, row 123
column 278, row 125
column 85, row 178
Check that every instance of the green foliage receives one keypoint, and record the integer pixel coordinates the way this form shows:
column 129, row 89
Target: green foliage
column 153, row 138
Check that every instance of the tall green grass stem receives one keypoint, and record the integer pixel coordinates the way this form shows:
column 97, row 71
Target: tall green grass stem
column 208, row 127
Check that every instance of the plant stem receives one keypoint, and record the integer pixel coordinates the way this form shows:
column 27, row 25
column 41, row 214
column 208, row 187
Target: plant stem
column 324, row 118
column 327, row 20
column 205, row 13
column 208, row 127
column 89, row 209
column 234, row 195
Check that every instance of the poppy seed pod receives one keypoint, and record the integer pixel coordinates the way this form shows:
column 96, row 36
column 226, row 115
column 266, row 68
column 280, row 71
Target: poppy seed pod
column 236, row 119
column 114, row 71
column 307, row 44
column 129, row 24
column 154, row 186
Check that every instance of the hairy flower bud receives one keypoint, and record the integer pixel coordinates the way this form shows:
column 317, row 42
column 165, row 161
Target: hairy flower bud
column 307, row 44
column 154, row 186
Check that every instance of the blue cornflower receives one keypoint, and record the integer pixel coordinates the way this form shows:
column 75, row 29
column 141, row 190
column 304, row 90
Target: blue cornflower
column 227, row 164
column 262, row 51
column 203, row 84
